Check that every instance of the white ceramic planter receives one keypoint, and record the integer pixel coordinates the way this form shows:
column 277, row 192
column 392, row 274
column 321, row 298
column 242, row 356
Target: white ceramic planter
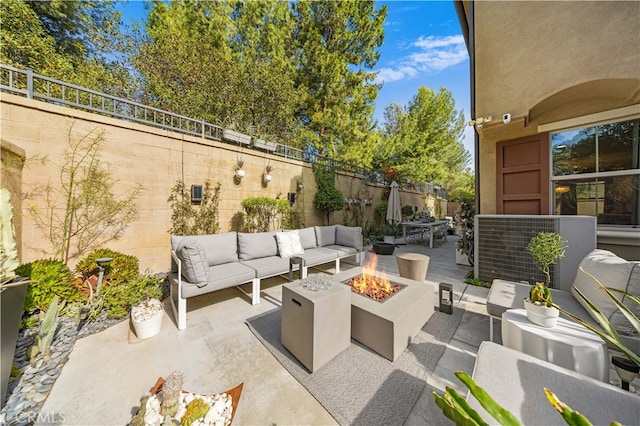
column 148, row 328
column 541, row 315
column 146, row 317
column 389, row 239
column 267, row 177
column 240, row 173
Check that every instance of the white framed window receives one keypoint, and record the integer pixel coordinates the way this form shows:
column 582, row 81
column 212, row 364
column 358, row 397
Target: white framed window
column 595, row 170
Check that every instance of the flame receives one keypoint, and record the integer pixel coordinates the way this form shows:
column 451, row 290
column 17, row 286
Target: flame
column 371, row 282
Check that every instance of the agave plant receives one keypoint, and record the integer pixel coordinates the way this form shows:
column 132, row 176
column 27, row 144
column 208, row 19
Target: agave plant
column 608, row 333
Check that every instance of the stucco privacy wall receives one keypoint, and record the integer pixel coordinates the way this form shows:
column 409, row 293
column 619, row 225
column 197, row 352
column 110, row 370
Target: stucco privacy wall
column 157, row 159
column 543, row 62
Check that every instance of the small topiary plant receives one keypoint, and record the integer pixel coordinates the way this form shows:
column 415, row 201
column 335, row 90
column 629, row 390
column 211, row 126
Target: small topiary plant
column 545, row 248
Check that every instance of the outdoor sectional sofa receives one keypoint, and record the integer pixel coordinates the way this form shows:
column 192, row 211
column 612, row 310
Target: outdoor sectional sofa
column 611, row 270
column 201, row 264
column 517, row 381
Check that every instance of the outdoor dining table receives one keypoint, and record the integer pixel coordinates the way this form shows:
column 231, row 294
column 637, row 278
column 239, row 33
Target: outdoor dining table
column 431, row 226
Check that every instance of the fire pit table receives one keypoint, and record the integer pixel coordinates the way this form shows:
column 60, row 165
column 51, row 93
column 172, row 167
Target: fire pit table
column 387, row 327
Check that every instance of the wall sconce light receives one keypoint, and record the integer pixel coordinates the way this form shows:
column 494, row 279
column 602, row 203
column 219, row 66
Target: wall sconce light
column 291, row 196
column 266, row 176
column 480, row 121
column 196, row 193
column 239, row 173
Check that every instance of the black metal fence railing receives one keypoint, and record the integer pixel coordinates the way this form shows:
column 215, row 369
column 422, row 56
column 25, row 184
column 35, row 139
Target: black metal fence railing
column 24, row 82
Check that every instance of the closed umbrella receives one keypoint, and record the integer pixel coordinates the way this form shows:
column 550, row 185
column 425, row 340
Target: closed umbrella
column 394, row 211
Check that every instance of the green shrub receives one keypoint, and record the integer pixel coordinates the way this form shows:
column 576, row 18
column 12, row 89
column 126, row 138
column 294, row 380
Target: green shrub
column 407, row 210
column 381, row 209
column 118, row 298
column 261, row 212
column 52, row 277
column 122, row 268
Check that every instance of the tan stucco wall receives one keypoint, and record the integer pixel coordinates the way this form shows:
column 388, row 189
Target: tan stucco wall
column 548, row 61
column 156, row 159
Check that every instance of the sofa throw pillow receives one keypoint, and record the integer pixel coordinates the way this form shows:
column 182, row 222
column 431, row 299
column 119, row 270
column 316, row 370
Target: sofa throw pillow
column 613, row 272
column 308, row 237
column 326, row 235
column 289, row 243
column 195, row 267
column 349, row 236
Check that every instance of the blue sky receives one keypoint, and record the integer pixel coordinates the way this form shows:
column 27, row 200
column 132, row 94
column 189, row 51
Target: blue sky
column 423, row 46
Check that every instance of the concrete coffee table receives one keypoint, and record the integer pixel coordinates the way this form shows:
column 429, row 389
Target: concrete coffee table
column 316, row 325
column 567, row 344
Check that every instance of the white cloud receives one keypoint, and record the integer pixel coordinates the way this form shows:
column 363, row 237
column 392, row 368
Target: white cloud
column 433, row 54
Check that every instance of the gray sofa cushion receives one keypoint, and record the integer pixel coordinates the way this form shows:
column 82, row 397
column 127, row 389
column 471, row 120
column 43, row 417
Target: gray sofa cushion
column 220, row 248
column 325, row 235
column 254, row 246
column 350, row 236
column 195, row 267
column 268, row 266
column 221, row 276
column 613, row 272
column 308, row 237
column 517, row 381
column 318, row 255
column 342, row 251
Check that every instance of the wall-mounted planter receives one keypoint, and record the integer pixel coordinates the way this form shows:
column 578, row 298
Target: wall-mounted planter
column 262, row 144
column 267, row 177
column 239, row 173
column 231, row 136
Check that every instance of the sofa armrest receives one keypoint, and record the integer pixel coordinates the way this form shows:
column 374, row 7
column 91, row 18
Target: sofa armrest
column 176, row 259
column 517, row 381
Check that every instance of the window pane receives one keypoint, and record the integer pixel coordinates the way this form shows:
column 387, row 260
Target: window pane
column 617, row 144
column 574, row 152
column 614, row 200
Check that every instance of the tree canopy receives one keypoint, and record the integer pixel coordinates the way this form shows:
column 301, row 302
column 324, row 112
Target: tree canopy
column 300, row 73
column 422, row 140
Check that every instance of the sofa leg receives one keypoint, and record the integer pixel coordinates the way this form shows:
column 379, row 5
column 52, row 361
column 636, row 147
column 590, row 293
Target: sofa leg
column 303, row 271
column 491, row 328
column 180, row 311
column 337, row 266
column 255, row 291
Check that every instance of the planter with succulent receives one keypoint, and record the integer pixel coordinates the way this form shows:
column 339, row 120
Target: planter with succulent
column 545, row 249
column 146, row 317
column 169, row 404
column 267, row 174
column 239, row 172
column 389, row 233
column 13, row 290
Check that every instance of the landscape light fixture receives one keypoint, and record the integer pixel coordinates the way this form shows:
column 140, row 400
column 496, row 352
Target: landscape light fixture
column 102, row 262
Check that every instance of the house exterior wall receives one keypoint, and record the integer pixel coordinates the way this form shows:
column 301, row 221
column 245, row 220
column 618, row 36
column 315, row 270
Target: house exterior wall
column 552, row 66
column 156, row 159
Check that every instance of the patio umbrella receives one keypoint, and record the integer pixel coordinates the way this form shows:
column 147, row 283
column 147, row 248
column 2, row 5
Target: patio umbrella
column 394, row 211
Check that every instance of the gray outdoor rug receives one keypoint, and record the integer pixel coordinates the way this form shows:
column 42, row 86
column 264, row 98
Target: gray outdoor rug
column 358, row 386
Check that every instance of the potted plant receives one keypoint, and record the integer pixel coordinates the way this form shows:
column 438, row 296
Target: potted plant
column 238, row 169
column 389, row 232
column 267, row 174
column 13, row 290
column 464, row 229
column 545, row 249
column 407, row 211
column 146, row 317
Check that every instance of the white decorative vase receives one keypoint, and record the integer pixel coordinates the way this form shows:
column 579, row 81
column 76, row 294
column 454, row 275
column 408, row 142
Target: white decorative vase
column 240, row 173
column 146, row 317
column 267, row 177
column 541, row 315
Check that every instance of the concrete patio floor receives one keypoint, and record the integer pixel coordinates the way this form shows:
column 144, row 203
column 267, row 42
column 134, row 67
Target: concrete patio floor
column 108, row 372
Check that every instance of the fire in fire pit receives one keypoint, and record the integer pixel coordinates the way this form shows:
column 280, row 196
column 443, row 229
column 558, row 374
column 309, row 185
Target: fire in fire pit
column 372, row 285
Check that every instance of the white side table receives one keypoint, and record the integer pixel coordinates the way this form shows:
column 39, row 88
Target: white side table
column 568, row 344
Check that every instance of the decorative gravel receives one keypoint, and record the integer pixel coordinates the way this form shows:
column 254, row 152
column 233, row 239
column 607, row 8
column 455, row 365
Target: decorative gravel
column 26, row 395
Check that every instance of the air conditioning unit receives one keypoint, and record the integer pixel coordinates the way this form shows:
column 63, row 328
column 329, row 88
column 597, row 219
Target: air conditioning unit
column 500, row 246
